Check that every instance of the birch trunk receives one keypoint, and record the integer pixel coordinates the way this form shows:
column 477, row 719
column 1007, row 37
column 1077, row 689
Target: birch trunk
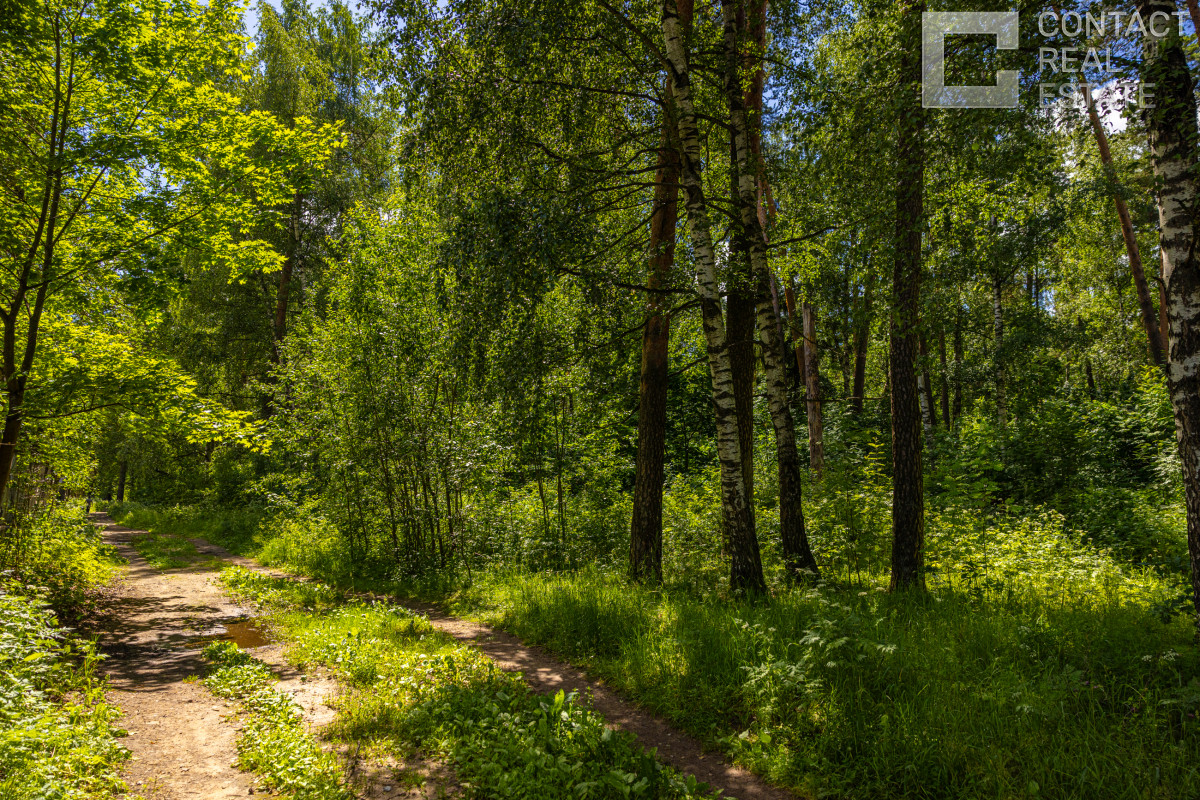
column 925, row 389
column 1173, row 135
column 797, row 553
column 746, row 575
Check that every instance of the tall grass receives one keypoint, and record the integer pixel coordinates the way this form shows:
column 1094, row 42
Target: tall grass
column 1037, row 665
column 858, row 693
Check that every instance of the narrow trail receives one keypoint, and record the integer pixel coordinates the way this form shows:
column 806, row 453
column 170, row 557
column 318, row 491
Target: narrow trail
column 548, row 674
column 182, row 737
column 183, row 743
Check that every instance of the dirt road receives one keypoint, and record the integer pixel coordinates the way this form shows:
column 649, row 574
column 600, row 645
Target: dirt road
column 182, row 739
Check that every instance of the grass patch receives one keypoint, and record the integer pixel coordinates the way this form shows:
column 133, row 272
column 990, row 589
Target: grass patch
column 237, row 530
column 853, row 692
column 167, row 551
column 272, row 742
column 1037, row 665
column 414, row 690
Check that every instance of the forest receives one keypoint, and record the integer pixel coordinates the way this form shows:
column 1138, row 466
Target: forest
column 820, row 432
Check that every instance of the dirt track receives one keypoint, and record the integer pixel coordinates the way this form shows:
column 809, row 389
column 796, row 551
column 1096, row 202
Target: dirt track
column 182, row 739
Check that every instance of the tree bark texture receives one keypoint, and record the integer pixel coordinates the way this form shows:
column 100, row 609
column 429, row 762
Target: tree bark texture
column 746, row 575
column 645, row 541
column 1156, row 343
column 796, row 551
column 1173, row 136
column 908, row 498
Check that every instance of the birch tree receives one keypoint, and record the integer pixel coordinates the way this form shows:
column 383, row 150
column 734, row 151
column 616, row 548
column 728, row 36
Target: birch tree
column 1173, row 138
column 746, row 575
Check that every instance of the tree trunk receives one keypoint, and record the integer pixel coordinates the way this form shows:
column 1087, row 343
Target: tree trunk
column 121, row 476
column 862, row 337
column 1164, row 331
column 812, row 390
column 926, row 388
column 958, row 362
column 279, row 326
column 746, row 575
column 908, row 494
column 645, row 542
column 998, row 344
column 797, row 332
column 740, row 313
column 1154, row 338
column 1194, row 11
column 1173, row 135
column 945, row 382
column 796, row 552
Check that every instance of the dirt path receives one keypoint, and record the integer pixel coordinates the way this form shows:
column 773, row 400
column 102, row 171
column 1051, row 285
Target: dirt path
column 546, row 673
column 181, row 737
column 183, row 746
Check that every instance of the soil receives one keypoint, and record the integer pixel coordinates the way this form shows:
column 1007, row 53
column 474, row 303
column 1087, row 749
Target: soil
column 547, row 674
column 182, row 739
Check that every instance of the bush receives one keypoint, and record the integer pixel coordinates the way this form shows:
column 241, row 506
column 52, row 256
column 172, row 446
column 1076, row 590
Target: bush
column 57, row 738
column 60, row 554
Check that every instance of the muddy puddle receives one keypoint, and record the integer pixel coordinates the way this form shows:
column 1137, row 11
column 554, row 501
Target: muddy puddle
column 245, row 633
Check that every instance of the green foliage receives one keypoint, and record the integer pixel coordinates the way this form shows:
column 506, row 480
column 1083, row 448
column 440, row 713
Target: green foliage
column 414, row 688
column 273, row 741
column 57, row 734
column 58, row 554
column 279, row 593
column 1034, row 660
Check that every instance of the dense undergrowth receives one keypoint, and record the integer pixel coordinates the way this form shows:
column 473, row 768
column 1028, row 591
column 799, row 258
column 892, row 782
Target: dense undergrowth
column 414, row 691
column 1039, row 664
column 58, row 554
column 58, row 736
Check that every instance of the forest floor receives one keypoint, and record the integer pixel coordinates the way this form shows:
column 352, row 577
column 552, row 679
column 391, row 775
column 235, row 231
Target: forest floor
column 182, row 738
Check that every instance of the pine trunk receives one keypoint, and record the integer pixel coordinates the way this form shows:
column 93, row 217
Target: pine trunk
column 1155, row 342
column 645, row 540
